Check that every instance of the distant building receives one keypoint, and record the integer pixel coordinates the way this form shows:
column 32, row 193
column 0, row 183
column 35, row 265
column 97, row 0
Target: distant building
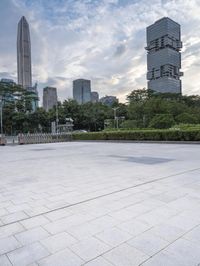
column 49, row 98
column 34, row 96
column 9, row 97
column 82, row 90
column 8, row 81
column 164, row 57
column 109, row 100
column 24, row 54
column 94, row 97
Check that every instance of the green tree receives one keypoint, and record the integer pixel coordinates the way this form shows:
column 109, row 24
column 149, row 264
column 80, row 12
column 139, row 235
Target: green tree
column 187, row 118
column 162, row 121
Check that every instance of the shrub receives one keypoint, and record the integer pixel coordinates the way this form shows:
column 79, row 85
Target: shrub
column 153, row 135
column 129, row 124
column 186, row 126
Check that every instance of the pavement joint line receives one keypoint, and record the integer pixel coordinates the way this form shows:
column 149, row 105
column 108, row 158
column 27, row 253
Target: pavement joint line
column 169, row 244
column 101, row 196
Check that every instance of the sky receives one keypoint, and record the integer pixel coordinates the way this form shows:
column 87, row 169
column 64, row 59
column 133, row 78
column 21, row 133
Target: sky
column 100, row 40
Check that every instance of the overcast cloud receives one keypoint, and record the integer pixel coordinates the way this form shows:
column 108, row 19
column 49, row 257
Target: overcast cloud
column 101, row 40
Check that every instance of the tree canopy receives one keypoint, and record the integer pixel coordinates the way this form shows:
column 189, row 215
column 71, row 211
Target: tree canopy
column 144, row 109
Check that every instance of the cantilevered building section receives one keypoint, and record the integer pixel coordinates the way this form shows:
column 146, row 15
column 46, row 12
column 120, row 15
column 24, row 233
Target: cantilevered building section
column 164, row 57
column 24, row 54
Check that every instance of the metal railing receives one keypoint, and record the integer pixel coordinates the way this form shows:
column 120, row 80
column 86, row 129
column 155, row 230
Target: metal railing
column 44, row 138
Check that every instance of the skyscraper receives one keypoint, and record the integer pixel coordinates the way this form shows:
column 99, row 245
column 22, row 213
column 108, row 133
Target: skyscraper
column 82, row 90
column 164, row 57
column 24, row 54
column 49, row 98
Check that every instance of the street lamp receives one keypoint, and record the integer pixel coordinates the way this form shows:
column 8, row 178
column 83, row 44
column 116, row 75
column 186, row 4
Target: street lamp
column 57, row 120
column 115, row 116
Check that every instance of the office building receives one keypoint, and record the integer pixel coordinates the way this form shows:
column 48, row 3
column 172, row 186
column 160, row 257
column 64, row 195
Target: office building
column 163, row 56
column 82, row 90
column 24, row 54
column 94, row 97
column 49, row 98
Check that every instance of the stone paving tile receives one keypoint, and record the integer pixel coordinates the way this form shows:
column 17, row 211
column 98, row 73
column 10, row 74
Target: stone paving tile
column 125, row 255
column 185, row 251
column 32, row 235
column 123, row 215
column 134, row 227
column 193, row 235
column 35, row 222
column 58, row 214
column 104, row 222
column 100, row 261
column 8, row 244
column 58, row 242
column 28, row 254
column 84, row 230
column 164, row 259
column 17, row 208
column 36, row 210
column 148, row 243
column 14, row 217
column 11, row 229
column 90, row 248
column 113, row 236
column 62, row 258
column 3, row 212
column 65, row 223
column 183, row 222
column 4, row 261
column 167, row 232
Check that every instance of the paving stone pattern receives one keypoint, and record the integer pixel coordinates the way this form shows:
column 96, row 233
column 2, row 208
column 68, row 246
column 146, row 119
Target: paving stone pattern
column 100, row 204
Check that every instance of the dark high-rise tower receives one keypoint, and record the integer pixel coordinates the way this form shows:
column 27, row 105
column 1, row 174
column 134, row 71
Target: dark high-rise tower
column 164, row 57
column 24, row 54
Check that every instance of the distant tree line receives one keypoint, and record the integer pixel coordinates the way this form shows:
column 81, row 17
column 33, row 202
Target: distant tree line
column 144, row 109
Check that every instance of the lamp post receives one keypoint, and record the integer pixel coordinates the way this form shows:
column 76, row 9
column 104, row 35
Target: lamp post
column 57, row 120
column 115, row 116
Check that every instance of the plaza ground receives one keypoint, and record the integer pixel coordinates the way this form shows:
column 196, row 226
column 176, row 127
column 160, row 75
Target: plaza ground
column 100, row 204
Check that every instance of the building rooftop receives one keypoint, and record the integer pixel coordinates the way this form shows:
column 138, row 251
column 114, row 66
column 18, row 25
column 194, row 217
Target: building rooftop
column 87, row 203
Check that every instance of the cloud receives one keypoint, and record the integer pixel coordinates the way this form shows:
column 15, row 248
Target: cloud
column 99, row 40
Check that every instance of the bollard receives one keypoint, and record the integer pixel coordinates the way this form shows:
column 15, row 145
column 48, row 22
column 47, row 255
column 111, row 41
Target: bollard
column 20, row 139
column 2, row 140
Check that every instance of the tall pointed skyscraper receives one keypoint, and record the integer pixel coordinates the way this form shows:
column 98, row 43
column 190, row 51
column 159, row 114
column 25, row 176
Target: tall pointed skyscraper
column 24, row 54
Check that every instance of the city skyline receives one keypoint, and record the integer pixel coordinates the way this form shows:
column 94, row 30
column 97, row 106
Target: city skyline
column 85, row 43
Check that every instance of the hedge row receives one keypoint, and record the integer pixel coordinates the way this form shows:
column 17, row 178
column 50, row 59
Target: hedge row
column 154, row 135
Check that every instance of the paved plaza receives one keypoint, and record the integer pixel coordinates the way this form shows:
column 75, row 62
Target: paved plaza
column 100, row 204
